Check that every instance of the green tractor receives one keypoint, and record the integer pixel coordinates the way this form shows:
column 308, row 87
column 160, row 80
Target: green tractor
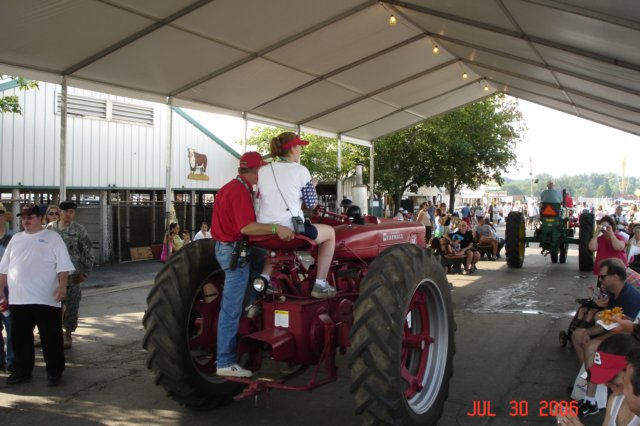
column 553, row 234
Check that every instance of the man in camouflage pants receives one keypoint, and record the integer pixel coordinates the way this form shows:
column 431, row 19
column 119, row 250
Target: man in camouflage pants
column 80, row 249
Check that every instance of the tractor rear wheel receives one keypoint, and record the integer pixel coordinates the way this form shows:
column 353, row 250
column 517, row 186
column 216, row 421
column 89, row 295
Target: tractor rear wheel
column 564, row 248
column 585, row 256
column 515, row 234
column 181, row 328
column 402, row 340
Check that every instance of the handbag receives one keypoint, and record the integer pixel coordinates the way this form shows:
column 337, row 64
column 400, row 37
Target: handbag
column 298, row 224
column 164, row 255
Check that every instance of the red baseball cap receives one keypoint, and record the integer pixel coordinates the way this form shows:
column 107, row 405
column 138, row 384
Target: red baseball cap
column 605, row 367
column 293, row 142
column 251, row 160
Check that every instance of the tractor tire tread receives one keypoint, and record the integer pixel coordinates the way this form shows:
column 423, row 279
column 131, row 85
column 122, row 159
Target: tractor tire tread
column 373, row 360
column 165, row 320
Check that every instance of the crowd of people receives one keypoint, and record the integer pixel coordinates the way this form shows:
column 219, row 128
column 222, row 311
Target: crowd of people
column 468, row 234
column 174, row 239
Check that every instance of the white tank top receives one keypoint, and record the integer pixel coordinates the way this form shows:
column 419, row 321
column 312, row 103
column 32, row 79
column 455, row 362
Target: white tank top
column 615, row 408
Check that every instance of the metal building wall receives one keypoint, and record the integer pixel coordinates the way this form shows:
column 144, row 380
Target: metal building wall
column 103, row 154
column 29, row 143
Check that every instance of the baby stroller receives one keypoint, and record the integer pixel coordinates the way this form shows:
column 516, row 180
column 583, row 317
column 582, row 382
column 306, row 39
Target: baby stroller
column 565, row 336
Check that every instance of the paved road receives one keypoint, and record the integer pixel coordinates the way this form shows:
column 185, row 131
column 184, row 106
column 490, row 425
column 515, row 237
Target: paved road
column 507, row 349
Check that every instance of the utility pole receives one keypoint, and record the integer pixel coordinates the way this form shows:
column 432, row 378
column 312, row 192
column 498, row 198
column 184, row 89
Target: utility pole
column 531, row 176
column 623, row 181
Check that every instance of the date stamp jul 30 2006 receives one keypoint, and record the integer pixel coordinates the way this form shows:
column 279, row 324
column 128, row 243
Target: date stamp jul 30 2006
column 522, row 408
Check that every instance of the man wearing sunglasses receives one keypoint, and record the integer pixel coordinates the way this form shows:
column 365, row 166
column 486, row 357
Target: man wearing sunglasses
column 80, row 249
column 35, row 266
column 612, row 279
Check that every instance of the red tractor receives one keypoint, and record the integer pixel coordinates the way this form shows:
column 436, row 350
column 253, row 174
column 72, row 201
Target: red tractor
column 392, row 313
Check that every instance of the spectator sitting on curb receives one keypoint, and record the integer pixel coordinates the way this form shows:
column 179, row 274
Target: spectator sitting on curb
column 203, row 232
column 611, row 368
column 484, row 233
column 463, row 244
column 186, row 237
column 612, row 278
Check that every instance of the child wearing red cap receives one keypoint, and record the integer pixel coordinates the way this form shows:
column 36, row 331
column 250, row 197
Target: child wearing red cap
column 609, row 365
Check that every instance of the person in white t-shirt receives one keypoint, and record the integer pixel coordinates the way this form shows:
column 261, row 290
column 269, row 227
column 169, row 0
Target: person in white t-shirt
column 283, row 186
column 203, row 232
column 36, row 266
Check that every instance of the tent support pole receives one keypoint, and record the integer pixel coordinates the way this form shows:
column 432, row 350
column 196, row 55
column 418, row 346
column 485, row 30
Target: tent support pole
column 168, row 166
column 63, row 140
column 246, row 130
column 371, row 177
column 339, row 189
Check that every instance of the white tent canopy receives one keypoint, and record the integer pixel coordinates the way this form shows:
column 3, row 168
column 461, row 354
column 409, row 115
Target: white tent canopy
column 336, row 66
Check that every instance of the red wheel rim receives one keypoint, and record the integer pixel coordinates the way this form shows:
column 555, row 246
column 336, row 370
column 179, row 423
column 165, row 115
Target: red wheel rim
column 416, row 340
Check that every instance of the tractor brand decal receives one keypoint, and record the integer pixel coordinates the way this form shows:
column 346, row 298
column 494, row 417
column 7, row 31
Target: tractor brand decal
column 392, row 236
column 281, row 319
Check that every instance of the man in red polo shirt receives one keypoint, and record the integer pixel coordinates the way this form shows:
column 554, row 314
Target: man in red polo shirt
column 233, row 219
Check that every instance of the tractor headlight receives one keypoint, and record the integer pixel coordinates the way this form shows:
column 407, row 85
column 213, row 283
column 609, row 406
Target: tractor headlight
column 259, row 284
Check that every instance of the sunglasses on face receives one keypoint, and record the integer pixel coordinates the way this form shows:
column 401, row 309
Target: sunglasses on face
column 54, row 213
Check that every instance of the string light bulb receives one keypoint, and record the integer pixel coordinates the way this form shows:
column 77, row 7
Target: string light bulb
column 486, row 87
column 393, row 20
column 465, row 75
column 435, row 49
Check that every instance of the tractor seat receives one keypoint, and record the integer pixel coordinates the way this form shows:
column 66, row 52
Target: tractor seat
column 372, row 219
column 270, row 242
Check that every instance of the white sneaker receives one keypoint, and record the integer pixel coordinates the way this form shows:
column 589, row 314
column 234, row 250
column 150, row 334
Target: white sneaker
column 322, row 292
column 234, row 370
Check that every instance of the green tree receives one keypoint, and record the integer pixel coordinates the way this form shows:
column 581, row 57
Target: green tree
column 603, row 190
column 399, row 161
column 11, row 103
column 320, row 156
column 466, row 147
column 474, row 144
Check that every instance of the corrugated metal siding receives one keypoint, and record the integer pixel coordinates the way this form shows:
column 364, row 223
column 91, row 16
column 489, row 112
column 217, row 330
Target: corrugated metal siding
column 102, row 153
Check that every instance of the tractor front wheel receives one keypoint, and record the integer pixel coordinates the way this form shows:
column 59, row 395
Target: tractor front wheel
column 181, row 328
column 401, row 358
column 515, row 234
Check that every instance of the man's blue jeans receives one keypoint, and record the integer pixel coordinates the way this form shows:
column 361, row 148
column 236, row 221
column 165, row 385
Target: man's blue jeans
column 235, row 288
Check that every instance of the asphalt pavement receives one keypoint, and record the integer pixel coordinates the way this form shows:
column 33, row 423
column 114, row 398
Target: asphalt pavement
column 508, row 359
column 118, row 274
